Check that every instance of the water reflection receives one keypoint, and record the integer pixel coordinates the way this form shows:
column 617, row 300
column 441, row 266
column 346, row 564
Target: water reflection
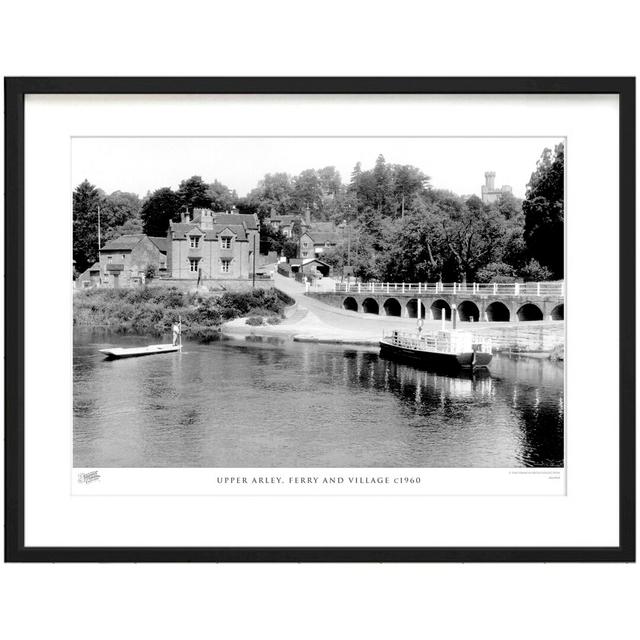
column 279, row 403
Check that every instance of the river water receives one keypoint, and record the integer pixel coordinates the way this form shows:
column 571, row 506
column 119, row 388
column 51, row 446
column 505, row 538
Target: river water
column 239, row 403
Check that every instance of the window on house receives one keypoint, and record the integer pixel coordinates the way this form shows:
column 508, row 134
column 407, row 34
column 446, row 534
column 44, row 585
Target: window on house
column 109, row 259
column 123, row 257
column 224, row 266
column 194, row 242
column 193, row 264
column 305, row 244
column 226, row 242
column 305, row 254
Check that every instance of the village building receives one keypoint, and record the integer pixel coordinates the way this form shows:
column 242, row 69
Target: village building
column 126, row 260
column 489, row 192
column 285, row 222
column 90, row 277
column 312, row 267
column 318, row 237
column 213, row 245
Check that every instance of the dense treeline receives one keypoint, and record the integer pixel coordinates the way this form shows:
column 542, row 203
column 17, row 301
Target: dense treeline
column 398, row 227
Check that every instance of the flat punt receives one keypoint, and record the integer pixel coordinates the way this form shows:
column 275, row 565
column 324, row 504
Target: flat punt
column 153, row 349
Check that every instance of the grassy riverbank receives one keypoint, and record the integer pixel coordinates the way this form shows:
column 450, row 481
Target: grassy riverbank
column 154, row 309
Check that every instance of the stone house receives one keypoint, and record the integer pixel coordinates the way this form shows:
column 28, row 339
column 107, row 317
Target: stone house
column 212, row 245
column 318, row 237
column 284, row 222
column 124, row 261
column 90, row 277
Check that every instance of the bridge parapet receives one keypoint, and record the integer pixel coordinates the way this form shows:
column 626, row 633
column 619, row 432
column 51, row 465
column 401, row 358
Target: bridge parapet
column 472, row 302
column 524, row 289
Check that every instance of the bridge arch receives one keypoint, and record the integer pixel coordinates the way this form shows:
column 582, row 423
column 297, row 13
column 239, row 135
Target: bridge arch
column 438, row 307
column 468, row 311
column 529, row 312
column 370, row 305
column 392, row 307
column 350, row 304
column 498, row 312
column 412, row 308
column 557, row 313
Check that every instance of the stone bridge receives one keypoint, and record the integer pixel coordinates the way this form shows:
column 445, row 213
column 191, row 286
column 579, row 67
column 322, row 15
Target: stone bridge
column 472, row 302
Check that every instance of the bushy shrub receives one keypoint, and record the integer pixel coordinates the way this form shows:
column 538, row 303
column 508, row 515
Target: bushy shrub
column 254, row 321
column 496, row 272
column 535, row 272
column 155, row 309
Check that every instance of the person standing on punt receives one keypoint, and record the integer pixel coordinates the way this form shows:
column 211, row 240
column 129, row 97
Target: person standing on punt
column 175, row 329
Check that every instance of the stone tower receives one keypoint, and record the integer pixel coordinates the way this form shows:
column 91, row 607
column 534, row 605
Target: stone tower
column 488, row 190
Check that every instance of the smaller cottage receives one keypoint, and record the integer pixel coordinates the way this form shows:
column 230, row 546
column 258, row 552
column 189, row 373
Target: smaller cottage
column 89, row 277
column 125, row 261
column 319, row 237
column 311, row 267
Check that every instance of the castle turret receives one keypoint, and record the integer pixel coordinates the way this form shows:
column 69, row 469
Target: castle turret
column 489, row 178
column 489, row 191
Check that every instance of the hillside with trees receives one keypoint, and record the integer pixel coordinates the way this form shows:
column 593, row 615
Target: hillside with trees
column 397, row 225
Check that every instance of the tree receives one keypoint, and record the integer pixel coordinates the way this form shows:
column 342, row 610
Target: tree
column 220, row 197
column 158, row 209
column 409, row 183
column 534, row 272
column 543, row 208
column 120, row 214
column 474, row 234
column 307, row 191
column 416, row 250
column 383, row 186
column 330, row 182
column 274, row 191
column 86, row 200
column 194, row 192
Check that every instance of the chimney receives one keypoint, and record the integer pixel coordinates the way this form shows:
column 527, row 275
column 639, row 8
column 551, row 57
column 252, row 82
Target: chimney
column 307, row 216
column 181, row 215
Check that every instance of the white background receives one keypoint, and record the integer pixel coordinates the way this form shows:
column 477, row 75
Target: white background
column 586, row 516
column 372, row 38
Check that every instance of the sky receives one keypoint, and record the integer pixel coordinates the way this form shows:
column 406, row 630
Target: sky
column 140, row 165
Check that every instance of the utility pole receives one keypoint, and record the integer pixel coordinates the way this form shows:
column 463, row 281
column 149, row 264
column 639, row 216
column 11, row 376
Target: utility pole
column 99, row 246
column 254, row 261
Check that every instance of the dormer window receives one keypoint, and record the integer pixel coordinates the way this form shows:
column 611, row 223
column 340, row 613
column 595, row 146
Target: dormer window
column 194, row 242
column 226, row 242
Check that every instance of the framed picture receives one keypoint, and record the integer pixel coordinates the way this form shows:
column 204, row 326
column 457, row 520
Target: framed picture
column 320, row 319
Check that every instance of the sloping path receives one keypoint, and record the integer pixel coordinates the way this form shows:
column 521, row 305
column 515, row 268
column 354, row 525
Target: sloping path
column 312, row 320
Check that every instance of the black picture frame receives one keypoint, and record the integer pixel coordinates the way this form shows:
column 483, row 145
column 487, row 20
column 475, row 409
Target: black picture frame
column 15, row 91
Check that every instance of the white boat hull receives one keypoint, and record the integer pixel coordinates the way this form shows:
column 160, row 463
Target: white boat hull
column 134, row 352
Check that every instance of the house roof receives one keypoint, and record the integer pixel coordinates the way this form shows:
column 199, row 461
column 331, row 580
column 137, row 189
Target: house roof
column 181, row 229
column 284, row 219
column 322, row 237
column 307, row 261
column 94, row 267
column 123, row 243
column 322, row 226
column 250, row 220
column 161, row 243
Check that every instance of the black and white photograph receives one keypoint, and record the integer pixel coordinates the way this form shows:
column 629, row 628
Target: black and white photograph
column 318, row 302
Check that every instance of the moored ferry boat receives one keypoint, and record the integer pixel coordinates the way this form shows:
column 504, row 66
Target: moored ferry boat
column 447, row 348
